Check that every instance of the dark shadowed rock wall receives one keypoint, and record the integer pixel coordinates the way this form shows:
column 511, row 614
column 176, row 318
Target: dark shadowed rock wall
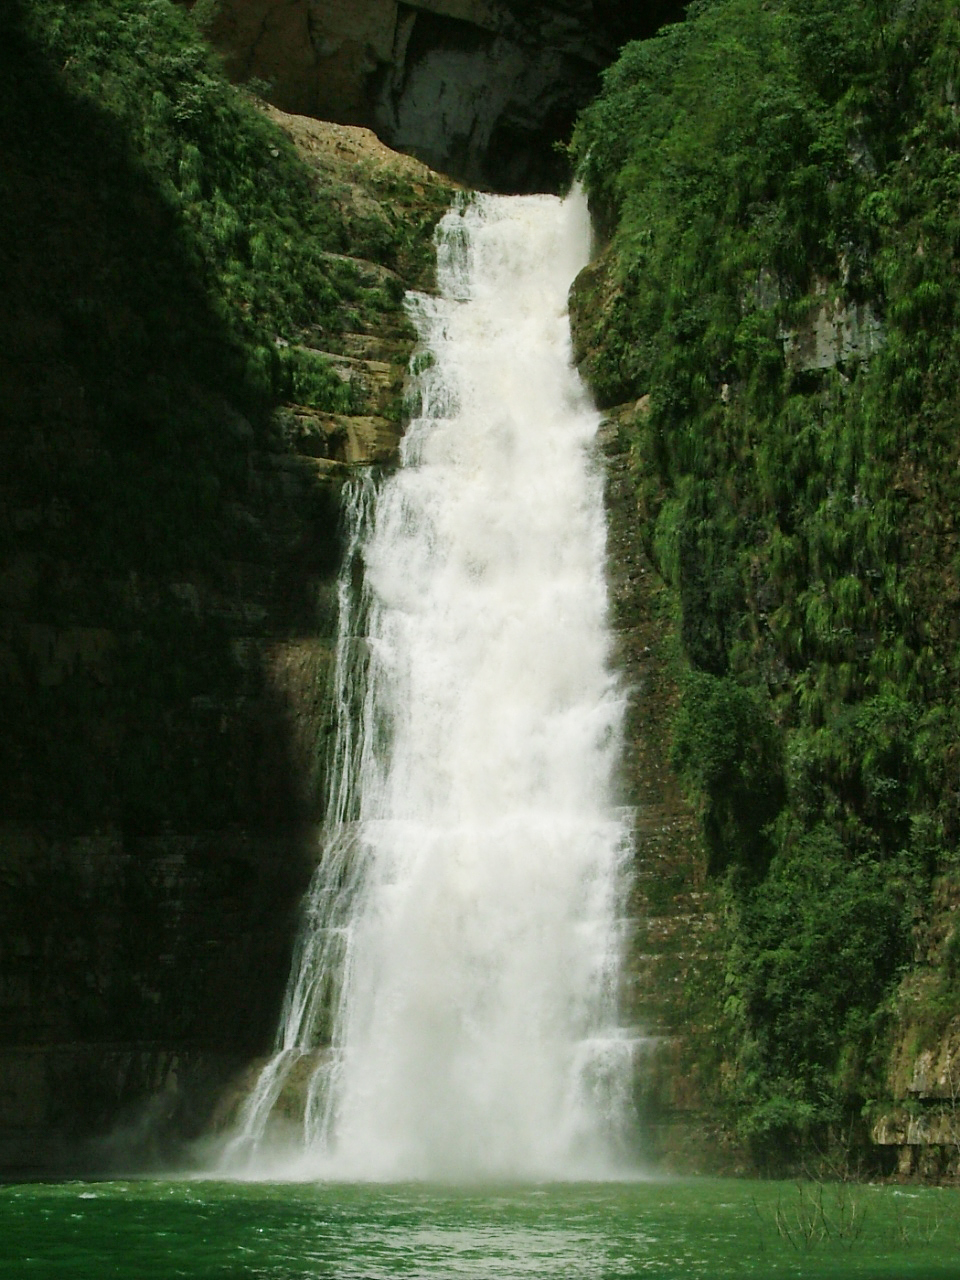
column 169, row 549
column 480, row 89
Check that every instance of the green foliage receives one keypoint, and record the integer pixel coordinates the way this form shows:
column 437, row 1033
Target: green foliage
column 820, row 940
column 764, row 173
column 726, row 748
column 311, row 381
column 257, row 229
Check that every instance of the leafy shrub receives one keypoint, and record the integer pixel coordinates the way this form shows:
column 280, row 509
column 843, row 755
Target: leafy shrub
column 257, row 229
column 822, row 937
column 726, row 747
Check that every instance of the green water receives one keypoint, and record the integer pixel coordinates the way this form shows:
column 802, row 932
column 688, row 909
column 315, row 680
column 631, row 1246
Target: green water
column 686, row 1228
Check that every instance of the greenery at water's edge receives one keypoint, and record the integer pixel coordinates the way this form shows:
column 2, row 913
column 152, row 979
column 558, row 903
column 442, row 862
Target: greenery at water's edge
column 762, row 167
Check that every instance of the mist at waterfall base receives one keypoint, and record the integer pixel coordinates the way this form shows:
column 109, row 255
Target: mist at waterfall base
column 452, row 1007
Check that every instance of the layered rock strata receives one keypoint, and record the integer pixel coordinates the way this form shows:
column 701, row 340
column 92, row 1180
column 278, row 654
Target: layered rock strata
column 919, row 1127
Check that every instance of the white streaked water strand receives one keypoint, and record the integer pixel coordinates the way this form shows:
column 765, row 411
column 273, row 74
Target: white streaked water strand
column 459, row 964
column 315, row 988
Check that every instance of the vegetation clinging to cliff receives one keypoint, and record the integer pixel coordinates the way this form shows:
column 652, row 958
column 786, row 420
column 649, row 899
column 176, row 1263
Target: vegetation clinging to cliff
column 256, row 231
column 780, row 188
column 172, row 273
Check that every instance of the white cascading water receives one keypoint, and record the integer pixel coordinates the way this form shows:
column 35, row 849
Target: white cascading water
column 461, row 948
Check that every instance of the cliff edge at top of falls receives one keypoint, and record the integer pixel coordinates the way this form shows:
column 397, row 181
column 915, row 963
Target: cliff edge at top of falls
column 481, row 89
column 202, row 336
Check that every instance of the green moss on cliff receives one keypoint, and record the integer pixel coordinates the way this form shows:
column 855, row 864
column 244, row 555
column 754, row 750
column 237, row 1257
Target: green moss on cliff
column 780, row 191
column 257, row 233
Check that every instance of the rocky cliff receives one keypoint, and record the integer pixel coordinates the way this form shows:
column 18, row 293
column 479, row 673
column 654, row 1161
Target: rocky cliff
column 673, row 961
column 169, row 527
column 203, row 336
column 481, row 89
column 773, row 320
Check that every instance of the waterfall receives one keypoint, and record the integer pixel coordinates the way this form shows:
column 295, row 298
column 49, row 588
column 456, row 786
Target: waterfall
column 452, row 1004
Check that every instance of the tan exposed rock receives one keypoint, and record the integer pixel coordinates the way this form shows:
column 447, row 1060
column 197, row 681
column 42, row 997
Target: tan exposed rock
column 374, row 364
column 339, row 147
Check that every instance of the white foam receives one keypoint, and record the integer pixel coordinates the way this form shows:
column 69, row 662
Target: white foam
column 464, row 929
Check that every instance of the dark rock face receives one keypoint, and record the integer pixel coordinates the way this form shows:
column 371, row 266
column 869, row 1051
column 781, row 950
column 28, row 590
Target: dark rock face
column 138, row 976
column 168, row 614
column 480, row 89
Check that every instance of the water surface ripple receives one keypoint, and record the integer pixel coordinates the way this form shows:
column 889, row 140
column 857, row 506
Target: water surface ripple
column 702, row 1229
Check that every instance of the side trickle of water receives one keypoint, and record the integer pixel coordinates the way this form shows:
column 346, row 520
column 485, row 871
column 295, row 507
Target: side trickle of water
column 311, row 1007
column 461, row 948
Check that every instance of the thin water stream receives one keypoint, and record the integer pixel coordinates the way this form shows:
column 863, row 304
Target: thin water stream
column 452, row 1007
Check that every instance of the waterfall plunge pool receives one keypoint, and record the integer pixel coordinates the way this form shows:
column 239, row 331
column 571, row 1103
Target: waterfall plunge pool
column 698, row 1229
